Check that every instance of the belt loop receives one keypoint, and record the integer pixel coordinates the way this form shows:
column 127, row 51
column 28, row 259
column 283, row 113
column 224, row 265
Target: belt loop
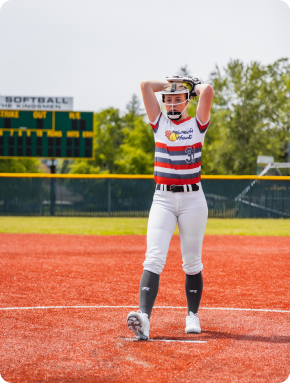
column 190, row 188
column 184, row 188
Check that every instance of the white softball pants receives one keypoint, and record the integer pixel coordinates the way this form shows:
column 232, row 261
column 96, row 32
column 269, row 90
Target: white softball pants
column 190, row 210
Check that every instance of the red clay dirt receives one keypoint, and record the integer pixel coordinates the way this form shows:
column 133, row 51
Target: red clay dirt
column 94, row 344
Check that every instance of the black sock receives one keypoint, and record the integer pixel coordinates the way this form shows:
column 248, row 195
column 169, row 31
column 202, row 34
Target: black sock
column 193, row 289
column 148, row 291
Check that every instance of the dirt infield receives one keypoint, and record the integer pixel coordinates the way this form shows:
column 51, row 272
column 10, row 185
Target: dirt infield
column 44, row 340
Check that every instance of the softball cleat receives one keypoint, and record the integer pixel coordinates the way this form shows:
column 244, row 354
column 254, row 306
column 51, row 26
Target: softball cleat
column 138, row 322
column 192, row 324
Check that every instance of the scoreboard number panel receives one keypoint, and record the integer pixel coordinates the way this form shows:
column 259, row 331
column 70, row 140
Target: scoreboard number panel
column 46, row 134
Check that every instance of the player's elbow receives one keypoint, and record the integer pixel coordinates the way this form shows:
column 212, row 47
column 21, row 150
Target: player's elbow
column 208, row 92
column 144, row 84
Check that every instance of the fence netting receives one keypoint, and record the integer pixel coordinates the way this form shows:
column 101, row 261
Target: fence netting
column 103, row 197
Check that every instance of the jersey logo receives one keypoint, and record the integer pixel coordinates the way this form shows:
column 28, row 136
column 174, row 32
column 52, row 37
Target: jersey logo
column 179, row 134
column 190, row 153
column 172, row 136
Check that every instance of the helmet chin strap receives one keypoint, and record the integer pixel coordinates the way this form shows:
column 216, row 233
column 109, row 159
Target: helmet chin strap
column 176, row 115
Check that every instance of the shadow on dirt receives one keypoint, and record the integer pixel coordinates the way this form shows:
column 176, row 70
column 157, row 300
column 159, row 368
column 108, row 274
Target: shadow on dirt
column 206, row 335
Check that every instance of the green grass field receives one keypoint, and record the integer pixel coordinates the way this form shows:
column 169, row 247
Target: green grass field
column 122, row 226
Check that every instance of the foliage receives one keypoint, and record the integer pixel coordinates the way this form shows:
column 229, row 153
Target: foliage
column 108, row 138
column 136, row 154
column 183, row 71
column 249, row 117
column 19, row 166
column 123, row 144
column 84, row 167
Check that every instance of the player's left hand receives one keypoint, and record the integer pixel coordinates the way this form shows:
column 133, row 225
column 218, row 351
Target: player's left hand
column 192, row 82
column 188, row 80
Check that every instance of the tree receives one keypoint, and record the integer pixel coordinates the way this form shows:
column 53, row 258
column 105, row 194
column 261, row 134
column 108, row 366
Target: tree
column 19, row 166
column 183, row 71
column 133, row 108
column 123, row 144
column 277, row 91
column 136, row 155
column 248, row 117
column 108, row 138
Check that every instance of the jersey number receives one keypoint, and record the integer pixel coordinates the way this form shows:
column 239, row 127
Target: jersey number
column 190, row 153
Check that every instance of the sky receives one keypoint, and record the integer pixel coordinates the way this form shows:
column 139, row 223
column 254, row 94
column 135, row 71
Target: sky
column 99, row 51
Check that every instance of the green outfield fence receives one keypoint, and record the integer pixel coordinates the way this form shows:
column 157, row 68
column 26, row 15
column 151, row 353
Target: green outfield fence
column 131, row 196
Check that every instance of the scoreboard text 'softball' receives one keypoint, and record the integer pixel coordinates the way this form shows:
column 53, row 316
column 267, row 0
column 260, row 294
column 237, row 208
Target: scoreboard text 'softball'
column 25, row 134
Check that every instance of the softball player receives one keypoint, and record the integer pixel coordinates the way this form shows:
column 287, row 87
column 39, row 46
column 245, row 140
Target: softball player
column 178, row 196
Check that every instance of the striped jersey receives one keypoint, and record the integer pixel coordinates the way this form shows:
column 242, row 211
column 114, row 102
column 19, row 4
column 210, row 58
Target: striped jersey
column 178, row 148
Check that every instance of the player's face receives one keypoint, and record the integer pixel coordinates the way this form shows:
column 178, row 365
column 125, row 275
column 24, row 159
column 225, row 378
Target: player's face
column 176, row 102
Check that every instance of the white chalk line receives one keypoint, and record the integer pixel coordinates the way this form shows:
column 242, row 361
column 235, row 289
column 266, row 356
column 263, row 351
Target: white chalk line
column 136, row 307
column 166, row 340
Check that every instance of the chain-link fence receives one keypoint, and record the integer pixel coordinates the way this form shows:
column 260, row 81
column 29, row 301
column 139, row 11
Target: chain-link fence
column 231, row 197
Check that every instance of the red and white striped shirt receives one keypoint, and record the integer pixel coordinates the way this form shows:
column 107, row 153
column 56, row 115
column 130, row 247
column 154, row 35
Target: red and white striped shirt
column 178, row 148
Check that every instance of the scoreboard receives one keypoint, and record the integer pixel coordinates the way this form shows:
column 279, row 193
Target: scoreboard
column 46, row 134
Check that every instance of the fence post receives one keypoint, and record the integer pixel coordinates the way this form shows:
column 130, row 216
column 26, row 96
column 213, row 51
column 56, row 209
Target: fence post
column 40, row 196
column 52, row 188
column 109, row 197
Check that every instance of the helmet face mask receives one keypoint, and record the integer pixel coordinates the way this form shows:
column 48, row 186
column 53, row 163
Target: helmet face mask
column 172, row 101
column 174, row 111
column 174, row 115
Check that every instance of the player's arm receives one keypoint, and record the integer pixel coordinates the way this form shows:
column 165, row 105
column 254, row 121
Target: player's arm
column 205, row 92
column 151, row 103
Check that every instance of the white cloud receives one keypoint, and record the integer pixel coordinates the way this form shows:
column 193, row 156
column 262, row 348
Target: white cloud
column 287, row 2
